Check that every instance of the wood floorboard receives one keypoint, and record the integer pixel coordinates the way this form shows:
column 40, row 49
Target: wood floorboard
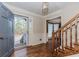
column 42, row 50
column 35, row 51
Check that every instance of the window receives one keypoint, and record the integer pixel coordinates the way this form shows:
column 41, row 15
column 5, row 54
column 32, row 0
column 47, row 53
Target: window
column 56, row 26
column 52, row 27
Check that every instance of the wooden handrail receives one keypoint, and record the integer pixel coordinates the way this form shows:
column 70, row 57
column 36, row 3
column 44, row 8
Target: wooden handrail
column 70, row 21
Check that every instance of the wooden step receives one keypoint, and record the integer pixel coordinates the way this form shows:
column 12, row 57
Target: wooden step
column 69, row 48
column 60, row 50
column 77, row 44
column 76, row 48
column 67, row 51
column 64, row 52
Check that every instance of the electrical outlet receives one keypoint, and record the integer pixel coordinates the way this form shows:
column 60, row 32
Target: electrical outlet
column 40, row 39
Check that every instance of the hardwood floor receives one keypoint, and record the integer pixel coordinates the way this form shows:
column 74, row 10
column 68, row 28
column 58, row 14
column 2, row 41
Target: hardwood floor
column 42, row 50
column 20, row 53
column 35, row 51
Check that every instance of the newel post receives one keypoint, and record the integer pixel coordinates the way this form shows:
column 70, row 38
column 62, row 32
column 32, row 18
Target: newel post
column 53, row 41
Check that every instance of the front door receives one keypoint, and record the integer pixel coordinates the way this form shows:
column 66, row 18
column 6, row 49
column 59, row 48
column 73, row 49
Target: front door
column 4, row 33
column 21, row 31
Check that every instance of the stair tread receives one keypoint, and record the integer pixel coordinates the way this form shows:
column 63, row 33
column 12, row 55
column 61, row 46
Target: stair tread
column 68, row 51
column 64, row 51
column 67, row 47
column 60, row 50
column 76, row 44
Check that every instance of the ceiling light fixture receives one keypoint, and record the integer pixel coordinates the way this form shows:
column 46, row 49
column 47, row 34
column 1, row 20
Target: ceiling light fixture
column 45, row 8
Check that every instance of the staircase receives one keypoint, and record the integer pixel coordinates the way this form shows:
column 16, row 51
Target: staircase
column 65, row 40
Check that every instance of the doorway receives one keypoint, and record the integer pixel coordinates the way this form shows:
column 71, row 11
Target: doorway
column 21, row 31
column 52, row 26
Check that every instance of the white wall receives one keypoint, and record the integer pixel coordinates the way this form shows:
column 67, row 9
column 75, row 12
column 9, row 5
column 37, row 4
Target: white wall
column 69, row 12
column 36, row 32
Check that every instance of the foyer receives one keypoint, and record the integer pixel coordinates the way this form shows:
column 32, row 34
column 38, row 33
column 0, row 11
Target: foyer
column 39, row 29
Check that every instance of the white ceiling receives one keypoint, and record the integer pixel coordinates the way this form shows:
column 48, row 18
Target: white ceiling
column 36, row 7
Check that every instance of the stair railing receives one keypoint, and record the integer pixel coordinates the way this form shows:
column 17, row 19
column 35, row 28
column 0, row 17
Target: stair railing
column 60, row 40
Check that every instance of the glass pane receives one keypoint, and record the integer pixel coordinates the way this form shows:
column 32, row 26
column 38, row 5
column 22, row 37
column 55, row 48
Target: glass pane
column 20, row 28
column 50, row 29
column 56, row 26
